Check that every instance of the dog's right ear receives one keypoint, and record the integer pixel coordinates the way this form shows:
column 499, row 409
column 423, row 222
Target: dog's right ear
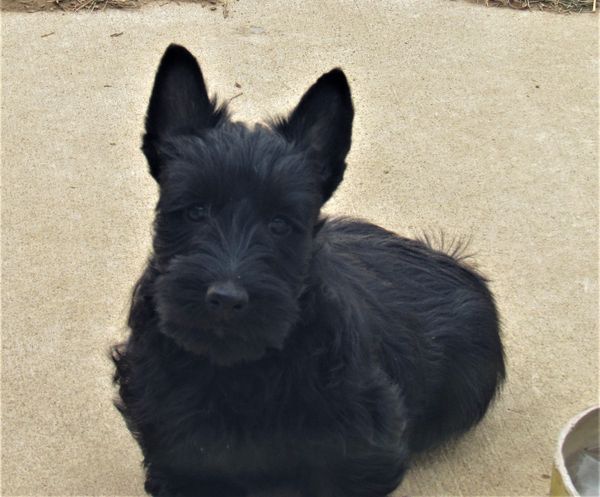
column 179, row 104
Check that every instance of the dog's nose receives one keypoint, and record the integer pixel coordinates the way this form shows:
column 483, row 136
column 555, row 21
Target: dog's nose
column 226, row 297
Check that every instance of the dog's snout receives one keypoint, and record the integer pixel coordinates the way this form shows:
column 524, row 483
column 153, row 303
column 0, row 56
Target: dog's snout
column 226, row 297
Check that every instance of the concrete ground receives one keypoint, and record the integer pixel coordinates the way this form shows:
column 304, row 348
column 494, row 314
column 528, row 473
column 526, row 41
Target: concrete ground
column 482, row 122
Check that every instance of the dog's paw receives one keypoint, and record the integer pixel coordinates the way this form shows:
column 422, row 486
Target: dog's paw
column 158, row 486
column 280, row 491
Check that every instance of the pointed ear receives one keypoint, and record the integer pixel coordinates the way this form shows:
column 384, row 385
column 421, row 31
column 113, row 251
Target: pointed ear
column 179, row 104
column 322, row 125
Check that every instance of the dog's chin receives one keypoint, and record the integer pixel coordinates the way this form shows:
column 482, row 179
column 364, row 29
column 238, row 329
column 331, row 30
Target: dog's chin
column 223, row 348
column 228, row 354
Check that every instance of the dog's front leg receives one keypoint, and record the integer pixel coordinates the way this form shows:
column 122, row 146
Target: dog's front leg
column 376, row 475
column 162, row 484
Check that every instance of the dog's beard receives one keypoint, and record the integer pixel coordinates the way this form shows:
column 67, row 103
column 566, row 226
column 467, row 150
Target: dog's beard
column 220, row 350
column 263, row 327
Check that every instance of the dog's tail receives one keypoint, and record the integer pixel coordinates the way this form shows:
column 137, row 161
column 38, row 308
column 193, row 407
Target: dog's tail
column 456, row 246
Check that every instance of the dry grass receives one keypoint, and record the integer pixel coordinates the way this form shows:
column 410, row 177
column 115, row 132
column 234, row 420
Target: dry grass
column 550, row 5
column 95, row 5
column 77, row 5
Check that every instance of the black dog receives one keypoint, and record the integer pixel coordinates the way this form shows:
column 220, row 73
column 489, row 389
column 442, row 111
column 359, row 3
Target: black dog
column 273, row 348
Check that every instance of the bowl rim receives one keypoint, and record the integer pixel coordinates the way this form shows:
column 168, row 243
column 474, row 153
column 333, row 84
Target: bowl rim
column 559, row 459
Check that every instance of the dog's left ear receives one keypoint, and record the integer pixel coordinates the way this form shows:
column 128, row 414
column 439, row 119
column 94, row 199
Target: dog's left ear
column 322, row 125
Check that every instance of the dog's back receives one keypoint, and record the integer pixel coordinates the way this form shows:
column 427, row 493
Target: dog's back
column 429, row 316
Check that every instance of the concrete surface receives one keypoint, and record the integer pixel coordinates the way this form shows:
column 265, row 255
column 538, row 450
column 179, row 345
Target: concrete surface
column 479, row 121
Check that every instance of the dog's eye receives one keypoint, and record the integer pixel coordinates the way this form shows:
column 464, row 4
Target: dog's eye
column 196, row 213
column 279, row 226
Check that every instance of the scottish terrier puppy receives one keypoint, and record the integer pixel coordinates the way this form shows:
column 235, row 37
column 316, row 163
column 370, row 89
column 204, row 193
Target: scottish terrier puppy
column 271, row 347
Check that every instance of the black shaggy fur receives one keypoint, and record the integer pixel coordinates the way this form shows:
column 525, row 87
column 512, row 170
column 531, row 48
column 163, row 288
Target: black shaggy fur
column 334, row 349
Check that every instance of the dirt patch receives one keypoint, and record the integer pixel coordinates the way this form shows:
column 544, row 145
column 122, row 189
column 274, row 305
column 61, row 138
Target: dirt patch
column 76, row 5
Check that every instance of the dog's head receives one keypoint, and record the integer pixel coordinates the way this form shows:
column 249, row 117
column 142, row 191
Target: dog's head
column 238, row 208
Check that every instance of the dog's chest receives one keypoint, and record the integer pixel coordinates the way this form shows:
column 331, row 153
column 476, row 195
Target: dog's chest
column 217, row 452
column 235, row 426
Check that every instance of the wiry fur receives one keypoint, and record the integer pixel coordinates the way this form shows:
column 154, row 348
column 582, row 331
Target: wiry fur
column 357, row 348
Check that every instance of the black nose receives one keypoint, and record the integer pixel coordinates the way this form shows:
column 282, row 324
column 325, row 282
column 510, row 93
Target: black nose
column 226, row 297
